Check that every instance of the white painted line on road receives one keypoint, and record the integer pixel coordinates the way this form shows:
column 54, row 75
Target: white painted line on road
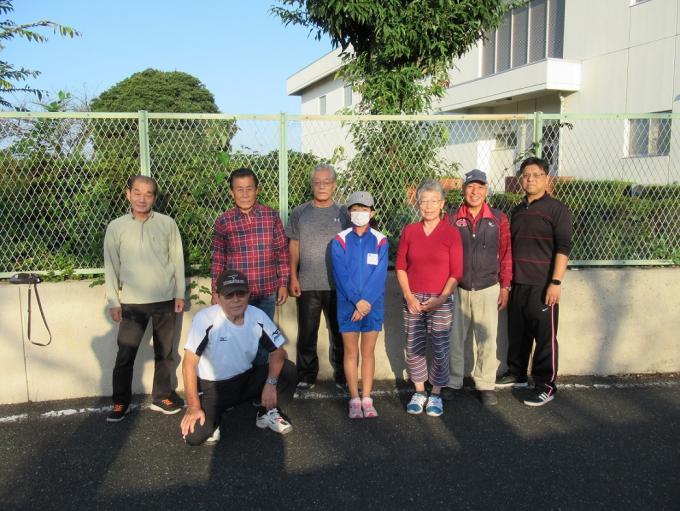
column 13, row 418
column 101, row 409
column 314, row 395
column 338, row 394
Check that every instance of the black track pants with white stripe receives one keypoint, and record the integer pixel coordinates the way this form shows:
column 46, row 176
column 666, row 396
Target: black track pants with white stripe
column 529, row 321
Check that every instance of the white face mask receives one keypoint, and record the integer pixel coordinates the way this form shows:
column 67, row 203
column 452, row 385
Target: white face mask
column 360, row 218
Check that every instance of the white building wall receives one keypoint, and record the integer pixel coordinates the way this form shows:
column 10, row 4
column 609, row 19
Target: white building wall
column 628, row 60
column 326, row 139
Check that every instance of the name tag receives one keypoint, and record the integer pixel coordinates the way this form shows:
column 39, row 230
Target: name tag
column 372, row 259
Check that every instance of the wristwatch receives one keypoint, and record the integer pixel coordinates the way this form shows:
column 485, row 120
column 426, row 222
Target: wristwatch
column 556, row 282
column 272, row 380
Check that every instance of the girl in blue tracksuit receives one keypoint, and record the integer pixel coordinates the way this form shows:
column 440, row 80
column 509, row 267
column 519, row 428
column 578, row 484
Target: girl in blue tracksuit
column 360, row 267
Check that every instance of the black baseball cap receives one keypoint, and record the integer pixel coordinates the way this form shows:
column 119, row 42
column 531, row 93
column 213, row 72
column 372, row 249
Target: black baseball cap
column 230, row 281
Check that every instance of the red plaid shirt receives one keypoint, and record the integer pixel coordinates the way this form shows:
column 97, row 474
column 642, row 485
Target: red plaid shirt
column 253, row 244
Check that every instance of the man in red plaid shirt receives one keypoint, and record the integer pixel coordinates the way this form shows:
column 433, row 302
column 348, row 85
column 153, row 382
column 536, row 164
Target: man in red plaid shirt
column 250, row 238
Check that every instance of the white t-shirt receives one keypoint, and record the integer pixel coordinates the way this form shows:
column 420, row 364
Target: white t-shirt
column 225, row 349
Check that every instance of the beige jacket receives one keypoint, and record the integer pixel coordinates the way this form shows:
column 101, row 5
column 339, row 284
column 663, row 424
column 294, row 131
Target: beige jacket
column 143, row 261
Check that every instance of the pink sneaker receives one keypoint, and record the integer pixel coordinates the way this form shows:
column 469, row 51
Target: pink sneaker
column 355, row 409
column 369, row 409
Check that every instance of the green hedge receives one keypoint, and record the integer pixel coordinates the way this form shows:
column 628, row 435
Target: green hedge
column 613, row 220
column 55, row 210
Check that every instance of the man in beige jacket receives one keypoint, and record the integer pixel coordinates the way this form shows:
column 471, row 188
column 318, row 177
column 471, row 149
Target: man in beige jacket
column 144, row 268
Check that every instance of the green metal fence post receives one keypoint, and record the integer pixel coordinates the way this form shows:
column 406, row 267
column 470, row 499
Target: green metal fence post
column 283, row 167
column 144, row 157
column 538, row 134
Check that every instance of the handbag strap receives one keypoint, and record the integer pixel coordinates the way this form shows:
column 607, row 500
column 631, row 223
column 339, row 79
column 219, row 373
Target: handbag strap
column 42, row 314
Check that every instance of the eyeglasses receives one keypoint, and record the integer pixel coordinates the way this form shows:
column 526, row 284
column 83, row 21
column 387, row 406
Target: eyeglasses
column 235, row 294
column 320, row 184
column 530, row 175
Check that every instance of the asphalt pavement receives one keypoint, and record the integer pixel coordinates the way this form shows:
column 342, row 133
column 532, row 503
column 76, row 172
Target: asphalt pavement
column 602, row 444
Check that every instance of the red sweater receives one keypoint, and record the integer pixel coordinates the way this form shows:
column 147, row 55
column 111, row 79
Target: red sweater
column 429, row 261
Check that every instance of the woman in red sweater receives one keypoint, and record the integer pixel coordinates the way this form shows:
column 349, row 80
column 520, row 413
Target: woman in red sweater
column 429, row 265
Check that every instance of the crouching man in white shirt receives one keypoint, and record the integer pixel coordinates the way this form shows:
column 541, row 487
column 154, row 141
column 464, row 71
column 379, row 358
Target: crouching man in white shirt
column 221, row 362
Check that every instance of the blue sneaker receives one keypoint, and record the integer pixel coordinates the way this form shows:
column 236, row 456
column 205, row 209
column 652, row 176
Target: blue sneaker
column 434, row 407
column 417, row 403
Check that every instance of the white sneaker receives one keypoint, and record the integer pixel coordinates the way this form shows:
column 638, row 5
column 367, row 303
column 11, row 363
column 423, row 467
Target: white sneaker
column 214, row 438
column 273, row 420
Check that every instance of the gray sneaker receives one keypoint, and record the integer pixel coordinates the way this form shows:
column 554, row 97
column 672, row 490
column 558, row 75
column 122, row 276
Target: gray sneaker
column 510, row 380
column 488, row 397
column 303, row 385
column 449, row 393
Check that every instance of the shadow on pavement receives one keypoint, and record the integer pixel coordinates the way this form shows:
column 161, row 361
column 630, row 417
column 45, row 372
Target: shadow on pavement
column 591, row 448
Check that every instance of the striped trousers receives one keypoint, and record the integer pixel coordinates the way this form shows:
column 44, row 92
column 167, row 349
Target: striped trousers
column 433, row 327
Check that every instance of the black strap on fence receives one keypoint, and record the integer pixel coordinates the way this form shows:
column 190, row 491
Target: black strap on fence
column 32, row 278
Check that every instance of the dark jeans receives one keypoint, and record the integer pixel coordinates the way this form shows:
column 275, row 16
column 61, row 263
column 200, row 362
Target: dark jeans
column 310, row 304
column 529, row 321
column 218, row 396
column 268, row 305
column 135, row 319
column 265, row 303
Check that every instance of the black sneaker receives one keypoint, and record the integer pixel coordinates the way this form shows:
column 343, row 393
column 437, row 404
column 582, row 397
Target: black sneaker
column 540, row 398
column 510, row 380
column 449, row 393
column 166, row 406
column 488, row 397
column 118, row 412
column 176, row 399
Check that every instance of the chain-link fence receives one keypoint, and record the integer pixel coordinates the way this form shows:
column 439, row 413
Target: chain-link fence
column 63, row 174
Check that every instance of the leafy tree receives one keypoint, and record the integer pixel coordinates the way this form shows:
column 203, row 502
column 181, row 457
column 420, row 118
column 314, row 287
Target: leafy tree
column 157, row 91
column 9, row 74
column 161, row 91
column 185, row 153
column 397, row 52
column 397, row 55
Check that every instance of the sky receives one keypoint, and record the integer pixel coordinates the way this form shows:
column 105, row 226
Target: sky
column 241, row 52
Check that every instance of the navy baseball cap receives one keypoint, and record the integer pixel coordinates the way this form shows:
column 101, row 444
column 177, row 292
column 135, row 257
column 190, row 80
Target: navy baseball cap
column 475, row 176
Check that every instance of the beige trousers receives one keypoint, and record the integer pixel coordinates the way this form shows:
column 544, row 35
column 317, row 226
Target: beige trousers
column 475, row 317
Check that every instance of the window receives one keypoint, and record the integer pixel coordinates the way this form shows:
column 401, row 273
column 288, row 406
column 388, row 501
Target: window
column 322, row 105
column 556, row 26
column 520, row 32
column 527, row 34
column 488, row 53
column 648, row 137
column 503, row 45
column 537, row 29
column 506, row 139
column 348, row 96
